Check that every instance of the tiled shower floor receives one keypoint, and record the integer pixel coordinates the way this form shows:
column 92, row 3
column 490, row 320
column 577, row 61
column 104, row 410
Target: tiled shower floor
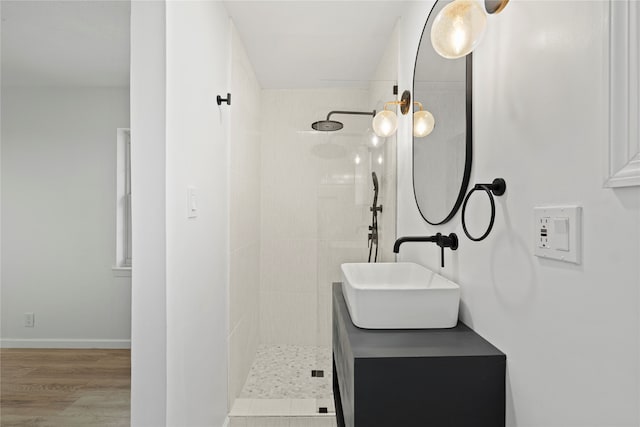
column 284, row 371
column 281, row 391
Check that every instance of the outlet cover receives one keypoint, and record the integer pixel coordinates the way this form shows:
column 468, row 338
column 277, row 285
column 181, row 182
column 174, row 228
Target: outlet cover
column 558, row 233
column 29, row 320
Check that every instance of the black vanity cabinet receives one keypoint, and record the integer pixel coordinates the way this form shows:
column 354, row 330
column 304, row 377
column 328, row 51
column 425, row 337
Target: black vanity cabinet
column 414, row 378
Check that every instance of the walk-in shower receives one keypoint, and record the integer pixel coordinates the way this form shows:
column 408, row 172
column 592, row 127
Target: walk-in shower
column 315, row 215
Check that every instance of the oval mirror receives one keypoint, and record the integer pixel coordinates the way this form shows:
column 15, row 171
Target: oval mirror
column 442, row 159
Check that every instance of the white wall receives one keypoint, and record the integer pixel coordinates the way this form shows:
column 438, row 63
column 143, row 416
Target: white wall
column 244, row 219
column 180, row 62
column 570, row 332
column 58, row 218
column 198, row 55
column 148, row 159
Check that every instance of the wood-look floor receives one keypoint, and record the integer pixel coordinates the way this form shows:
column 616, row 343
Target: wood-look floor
column 64, row 388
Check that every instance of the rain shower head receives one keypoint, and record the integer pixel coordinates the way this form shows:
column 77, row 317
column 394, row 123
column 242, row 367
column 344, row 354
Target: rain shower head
column 327, row 125
column 332, row 125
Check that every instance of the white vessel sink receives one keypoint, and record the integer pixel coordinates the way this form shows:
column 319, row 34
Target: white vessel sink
column 399, row 295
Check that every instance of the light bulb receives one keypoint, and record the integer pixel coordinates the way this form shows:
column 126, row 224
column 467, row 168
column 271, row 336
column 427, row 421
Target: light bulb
column 385, row 123
column 423, row 123
column 458, row 28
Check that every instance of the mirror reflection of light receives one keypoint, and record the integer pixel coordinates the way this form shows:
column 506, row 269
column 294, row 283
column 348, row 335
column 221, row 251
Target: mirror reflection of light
column 357, row 160
column 375, row 140
column 423, row 123
column 380, row 160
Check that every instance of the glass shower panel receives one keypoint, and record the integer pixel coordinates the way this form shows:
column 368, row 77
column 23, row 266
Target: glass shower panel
column 345, row 197
column 316, row 195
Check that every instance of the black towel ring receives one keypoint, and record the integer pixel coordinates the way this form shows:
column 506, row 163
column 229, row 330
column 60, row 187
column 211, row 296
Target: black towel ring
column 497, row 187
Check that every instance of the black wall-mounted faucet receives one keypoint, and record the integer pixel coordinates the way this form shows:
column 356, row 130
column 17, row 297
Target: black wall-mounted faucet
column 450, row 241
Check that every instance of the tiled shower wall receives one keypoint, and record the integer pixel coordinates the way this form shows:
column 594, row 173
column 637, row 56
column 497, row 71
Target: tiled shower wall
column 316, row 193
column 244, row 217
column 316, row 190
column 308, row 207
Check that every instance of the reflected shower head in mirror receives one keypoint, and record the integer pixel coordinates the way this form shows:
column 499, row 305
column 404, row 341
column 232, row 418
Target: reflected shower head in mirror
column 329, row 125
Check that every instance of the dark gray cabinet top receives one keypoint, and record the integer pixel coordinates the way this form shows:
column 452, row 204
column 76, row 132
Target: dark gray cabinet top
column 460, row 341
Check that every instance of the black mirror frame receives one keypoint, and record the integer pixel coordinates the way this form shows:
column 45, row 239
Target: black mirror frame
column 469, row 134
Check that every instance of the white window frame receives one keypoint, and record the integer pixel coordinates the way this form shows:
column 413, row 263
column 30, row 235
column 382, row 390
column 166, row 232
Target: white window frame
column 123, row 203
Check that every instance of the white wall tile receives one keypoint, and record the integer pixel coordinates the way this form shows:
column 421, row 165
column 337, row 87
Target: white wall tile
column 289, row 210
column 243, row 343
column 289, row 265
column 270, row 407
column 244, row 218
column 318, row 421
column 237, row 421
column 339, row 217
column 303, row 407
column 245, row 282
column 241, row 407
column 324, row 326
column 288, row 318
column 307, row 195
column 268, row 422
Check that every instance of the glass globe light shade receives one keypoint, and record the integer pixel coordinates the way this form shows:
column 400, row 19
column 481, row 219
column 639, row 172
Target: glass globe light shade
column 385, row 123
column 423, row 123
column 458, row 28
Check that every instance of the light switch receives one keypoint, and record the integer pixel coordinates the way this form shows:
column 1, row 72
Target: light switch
column 192, row 202
column 561, row 234
column 558, row 233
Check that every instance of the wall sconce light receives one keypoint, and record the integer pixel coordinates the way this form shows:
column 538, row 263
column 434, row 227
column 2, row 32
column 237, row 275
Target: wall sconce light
column 385, row 123
column 423, row 122
column 460, row 25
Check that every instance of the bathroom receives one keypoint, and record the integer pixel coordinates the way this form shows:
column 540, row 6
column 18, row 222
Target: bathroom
column 540, row 121
column 243, row 213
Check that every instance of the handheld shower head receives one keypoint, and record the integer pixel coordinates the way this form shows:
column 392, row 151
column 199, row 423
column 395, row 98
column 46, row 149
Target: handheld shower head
column 375, row 191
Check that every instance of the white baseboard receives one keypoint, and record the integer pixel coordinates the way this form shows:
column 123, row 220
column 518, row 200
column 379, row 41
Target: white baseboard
column 63, row 343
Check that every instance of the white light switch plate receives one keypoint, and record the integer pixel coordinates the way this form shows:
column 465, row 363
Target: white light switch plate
column 558, row 233
column 192, row 202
